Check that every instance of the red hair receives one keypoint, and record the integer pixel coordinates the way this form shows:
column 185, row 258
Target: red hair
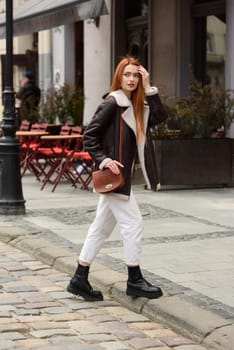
column 137, row 95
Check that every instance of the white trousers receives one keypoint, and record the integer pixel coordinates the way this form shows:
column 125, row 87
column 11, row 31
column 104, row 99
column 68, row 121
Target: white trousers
column 112, row 209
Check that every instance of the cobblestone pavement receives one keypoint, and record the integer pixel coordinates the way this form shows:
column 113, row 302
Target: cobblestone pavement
column 36, row 313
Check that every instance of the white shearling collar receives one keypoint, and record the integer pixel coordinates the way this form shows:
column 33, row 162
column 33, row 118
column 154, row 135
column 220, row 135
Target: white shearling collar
column 121, row 99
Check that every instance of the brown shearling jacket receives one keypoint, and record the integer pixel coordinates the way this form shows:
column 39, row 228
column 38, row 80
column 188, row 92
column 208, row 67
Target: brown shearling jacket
column 101, row 136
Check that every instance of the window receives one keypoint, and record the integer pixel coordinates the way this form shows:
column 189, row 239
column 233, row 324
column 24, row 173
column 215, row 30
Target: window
column 215, row 54
column 209, row 41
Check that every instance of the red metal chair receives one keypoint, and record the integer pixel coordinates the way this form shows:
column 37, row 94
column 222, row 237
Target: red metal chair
column 83, row 172
column 38, row 157
column 28, row 146
column 78, row 162
column 50, row 155
column 62, row 169
column 30, row 141
column 25, row 125
column 73, row 164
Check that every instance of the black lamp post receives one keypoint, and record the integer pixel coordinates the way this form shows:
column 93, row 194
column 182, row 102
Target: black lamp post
column 11, row 196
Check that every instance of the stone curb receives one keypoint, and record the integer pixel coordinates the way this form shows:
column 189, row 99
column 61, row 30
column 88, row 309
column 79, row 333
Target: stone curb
column 200, row 325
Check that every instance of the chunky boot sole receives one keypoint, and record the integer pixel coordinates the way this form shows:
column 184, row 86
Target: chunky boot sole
column 83, row 294
column 144, row 294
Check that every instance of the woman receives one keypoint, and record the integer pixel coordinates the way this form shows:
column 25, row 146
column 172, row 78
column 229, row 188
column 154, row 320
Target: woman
column 130, row 87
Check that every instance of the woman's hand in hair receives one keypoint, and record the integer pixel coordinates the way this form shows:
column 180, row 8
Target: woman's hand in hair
column 145, row 77
column 114, row 166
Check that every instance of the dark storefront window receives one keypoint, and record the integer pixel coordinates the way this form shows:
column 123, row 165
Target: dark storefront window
column 137, row 29
column 136, row 8
column 209, row 41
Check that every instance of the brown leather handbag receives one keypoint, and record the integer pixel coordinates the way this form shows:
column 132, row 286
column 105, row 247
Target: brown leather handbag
column 105, row 181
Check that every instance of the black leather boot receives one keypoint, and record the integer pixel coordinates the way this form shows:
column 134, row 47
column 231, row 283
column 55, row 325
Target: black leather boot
column 137, row 286
column 79, row 285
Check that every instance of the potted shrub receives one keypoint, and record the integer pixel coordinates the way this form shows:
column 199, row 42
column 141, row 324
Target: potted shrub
column 64, row 103
column 191, row 147
column 207, row 112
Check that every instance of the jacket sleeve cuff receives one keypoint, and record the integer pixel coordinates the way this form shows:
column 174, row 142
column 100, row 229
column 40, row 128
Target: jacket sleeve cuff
column 104, row 162
column 151, row 90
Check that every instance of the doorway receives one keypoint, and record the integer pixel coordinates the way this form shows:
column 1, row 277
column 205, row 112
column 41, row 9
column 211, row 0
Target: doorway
column 25, row 62
column 131, row 20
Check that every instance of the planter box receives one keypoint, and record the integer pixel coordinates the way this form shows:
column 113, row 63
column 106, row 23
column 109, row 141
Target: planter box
column 195, row 162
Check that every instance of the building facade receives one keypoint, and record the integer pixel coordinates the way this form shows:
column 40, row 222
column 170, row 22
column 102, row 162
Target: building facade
column 171, row 37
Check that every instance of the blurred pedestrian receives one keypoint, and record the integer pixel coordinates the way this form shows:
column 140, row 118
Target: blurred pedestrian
column 29, row 97
column 133, row 99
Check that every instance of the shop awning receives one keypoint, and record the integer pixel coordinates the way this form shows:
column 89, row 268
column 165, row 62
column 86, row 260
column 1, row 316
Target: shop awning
column 36, row 15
